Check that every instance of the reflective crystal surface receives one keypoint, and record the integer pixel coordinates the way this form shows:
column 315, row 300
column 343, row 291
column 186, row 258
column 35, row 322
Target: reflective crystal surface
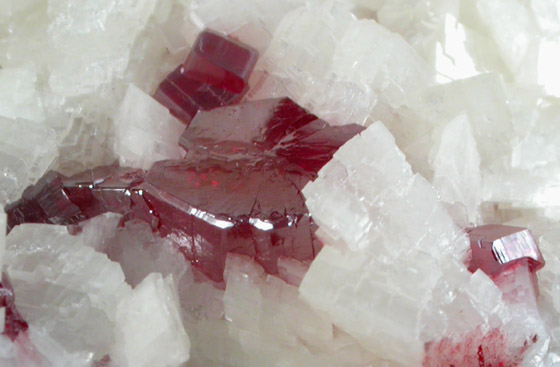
column 237, row 190
column 495, row 247
column 214, row 74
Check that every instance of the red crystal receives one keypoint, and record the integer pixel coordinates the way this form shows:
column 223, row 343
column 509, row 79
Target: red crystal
column 237, row 190
column 13, row 322
column 496, row 247
column 214, row 74
column 57, row 199
column 267, row 128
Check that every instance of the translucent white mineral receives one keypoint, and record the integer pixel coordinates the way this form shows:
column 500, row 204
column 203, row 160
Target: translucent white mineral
column 75, row 80
column 149, row 327
column 64, row 287
column 2, row 236
column 27, row 149
column 391, row 274
column 456, row 166
column 146, row 131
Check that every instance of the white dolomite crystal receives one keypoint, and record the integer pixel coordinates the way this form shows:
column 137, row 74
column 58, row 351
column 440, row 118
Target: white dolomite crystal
column 149, row 327
column 146, row 131
column 64, row 287
column 27, row 150
column 391, row 274
column 456, row 166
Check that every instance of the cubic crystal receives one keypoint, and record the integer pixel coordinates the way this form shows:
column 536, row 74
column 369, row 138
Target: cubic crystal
column 214, row 74
column 496, row 247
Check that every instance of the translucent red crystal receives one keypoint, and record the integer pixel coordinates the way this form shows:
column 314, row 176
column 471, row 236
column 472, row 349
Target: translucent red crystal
column 214, row 74
column 13, row 322
column 237, row 190
column 57, row 199
column 496, row 247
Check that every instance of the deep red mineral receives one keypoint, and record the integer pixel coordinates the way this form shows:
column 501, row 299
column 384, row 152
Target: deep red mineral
column 496, row 247
column 215, row 74
column 13, row 322
column 237, row 190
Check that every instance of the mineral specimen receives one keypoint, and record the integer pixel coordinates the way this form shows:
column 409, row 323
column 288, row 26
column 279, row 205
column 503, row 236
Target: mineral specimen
column 494, row 248
column 467, row 88
column 237, row 190
column 383, row 226
column 215, row 74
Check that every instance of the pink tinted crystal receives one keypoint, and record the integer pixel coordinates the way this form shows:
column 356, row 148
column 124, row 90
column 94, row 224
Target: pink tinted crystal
column 496, row 247
column 214, row 74
column 13, row 322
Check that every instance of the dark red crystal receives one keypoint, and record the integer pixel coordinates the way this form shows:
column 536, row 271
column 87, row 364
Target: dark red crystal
column 496, row 247
column 237, row 190
column 13, row 322
column 57, row 199
column 215, row 74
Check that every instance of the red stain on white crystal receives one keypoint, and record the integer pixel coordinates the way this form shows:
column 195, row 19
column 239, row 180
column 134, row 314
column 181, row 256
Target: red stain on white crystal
column 510, row 257
column 476, row 349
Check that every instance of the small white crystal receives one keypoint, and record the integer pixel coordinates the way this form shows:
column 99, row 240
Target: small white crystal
column 456, row 166
column 19, row 98
column 146, row 131
column 149, row 327
column 27, row 149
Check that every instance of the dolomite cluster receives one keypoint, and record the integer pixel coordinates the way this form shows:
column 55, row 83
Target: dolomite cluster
column 447, row 116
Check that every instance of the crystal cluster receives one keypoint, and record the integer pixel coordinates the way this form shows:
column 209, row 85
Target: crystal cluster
column 295, row 183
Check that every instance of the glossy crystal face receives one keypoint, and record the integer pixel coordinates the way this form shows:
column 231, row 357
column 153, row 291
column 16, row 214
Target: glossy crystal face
column 496, row 247
column 238, row 189
column 215, row 74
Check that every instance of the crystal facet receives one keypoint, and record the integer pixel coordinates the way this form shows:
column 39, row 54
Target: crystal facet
column 237, row 190
column 495, row 247
column 13, row 321
column 215, row 74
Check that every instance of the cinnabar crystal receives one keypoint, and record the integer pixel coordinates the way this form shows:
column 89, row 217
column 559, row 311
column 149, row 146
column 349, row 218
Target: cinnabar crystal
column 13, row 322
column 215, row 74
column 237, row 190
column 496, row 247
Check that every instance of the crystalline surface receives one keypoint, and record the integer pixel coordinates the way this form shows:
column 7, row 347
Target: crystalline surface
column 146, row 132
column 58, row 199
column 456, row 166
column 378, row 244
column 26, row 151
column 215, row 74
column 237, row 190
column 150, row 330
column 274, row 127
column 496, row 247
column 14, row 324
column 58, row 281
